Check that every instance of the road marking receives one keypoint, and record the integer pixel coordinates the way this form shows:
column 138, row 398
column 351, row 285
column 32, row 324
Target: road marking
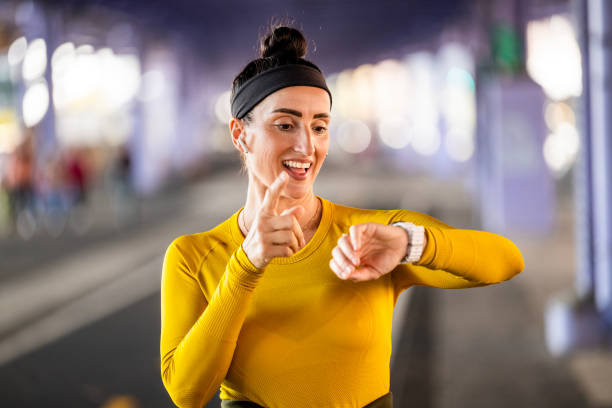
column 25, row 299
column 103, row 301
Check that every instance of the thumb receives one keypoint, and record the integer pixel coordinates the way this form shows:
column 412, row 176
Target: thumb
column 359, row 234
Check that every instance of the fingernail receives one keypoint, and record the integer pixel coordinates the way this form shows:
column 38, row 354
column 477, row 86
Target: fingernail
column 283, row 176
column 343, row 275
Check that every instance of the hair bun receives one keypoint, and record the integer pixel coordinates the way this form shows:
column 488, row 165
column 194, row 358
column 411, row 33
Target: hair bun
column 284, row 42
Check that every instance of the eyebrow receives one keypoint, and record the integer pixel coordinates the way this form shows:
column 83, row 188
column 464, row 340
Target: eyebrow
column 299, row 114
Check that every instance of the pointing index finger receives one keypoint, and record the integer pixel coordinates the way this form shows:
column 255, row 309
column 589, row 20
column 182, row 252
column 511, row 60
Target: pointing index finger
column 355, row 237
column 270, row 201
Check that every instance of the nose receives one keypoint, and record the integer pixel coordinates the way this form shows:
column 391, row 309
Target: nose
column 304, row 142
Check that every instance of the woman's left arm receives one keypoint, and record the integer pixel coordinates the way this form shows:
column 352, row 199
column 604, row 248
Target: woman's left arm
column 457, row 258
column 452, row 258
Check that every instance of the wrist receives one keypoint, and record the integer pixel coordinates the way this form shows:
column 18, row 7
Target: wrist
column 258, row 264
column 416, row 241
column 246, row 262
column 403, row 239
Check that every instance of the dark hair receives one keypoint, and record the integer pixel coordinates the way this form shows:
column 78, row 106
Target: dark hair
column 282, row 46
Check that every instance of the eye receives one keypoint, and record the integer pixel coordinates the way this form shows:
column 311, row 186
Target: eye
column 320, row 129
column 284, row 126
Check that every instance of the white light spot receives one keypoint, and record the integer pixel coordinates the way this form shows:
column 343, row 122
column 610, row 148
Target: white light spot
column 561, row 148
column 153, row 85
column 426, row 140
column 85, row 49
column 395, row 132
column 354, row 136
column 223, row 110
column 120, row 79
column 35, row 103
column 35, row 60
column 62, row 54
column 553, row 57
column 459, row 145
column 391, row 90
column 17, row 51
column 362, row 95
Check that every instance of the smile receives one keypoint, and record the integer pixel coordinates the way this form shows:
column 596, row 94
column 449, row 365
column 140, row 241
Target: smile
column 296, row 164
column 296, row 169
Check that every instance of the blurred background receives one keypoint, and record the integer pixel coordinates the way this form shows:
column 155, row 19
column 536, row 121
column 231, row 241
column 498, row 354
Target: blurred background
column 488, row 114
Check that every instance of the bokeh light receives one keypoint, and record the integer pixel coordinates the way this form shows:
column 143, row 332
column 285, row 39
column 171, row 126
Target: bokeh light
column 9, row 129
column 553, row 57
column 120, row 79
column 91, row 90
column 561, row 148
column 223, row 110
column 353, row 136
column 35, row 103
column 459, row 145
column 426, row 140
column 17, row 51
column 556, row 113
column 152, row 85
column 35, row 60
column 363, row 92
column 395, row 132
column 390, row 90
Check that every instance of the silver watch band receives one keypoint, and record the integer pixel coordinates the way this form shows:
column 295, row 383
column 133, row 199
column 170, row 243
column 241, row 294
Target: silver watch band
column 416, row 241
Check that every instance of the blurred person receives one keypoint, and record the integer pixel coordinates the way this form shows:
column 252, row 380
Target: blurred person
column 289, row 302
column 18, row 182
column 124, row 199
column 77, row 175
column 54, row 195
column 78, row 178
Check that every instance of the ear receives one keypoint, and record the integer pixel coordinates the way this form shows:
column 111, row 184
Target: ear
column 236, row 130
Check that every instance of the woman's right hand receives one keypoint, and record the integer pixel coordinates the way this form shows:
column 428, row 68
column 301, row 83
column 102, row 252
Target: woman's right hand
column 272, row 234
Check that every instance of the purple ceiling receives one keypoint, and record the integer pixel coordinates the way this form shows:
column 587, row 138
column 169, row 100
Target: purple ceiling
column 341, row 33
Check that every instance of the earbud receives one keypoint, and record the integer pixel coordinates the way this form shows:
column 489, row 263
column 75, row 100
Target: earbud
column 242, row 144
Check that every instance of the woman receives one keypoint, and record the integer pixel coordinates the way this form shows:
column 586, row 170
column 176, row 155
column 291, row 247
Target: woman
column 288, row 303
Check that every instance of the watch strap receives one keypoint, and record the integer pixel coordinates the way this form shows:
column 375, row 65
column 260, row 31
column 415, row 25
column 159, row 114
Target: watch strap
column 416, row 241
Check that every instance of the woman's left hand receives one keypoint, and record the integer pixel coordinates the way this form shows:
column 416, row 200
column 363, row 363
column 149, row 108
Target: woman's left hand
column 369, row 251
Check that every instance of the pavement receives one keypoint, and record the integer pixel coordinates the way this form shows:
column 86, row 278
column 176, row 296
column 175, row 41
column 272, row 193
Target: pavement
column 90, row 337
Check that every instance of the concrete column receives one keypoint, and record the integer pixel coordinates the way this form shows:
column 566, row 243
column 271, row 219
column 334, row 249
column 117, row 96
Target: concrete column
column 600, row 70
column 583, row 175
column 582, row 317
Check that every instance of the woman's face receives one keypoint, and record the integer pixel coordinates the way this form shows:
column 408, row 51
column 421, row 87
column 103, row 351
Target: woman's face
column 289, row 132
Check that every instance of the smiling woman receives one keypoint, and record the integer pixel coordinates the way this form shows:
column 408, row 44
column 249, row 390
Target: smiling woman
column 287, row 132
column 289, row 301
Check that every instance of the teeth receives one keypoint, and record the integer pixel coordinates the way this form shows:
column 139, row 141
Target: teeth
column 296, row 164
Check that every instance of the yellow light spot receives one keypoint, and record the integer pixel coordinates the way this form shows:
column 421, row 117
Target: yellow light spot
column 121, row 401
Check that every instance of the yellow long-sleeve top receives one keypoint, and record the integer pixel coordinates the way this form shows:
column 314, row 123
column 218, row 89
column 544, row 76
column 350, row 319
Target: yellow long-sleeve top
column 294, row 334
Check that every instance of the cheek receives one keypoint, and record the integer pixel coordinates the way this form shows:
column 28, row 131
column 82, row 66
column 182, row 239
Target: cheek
column 323, row 147
column 266, row 152
column 263, row 163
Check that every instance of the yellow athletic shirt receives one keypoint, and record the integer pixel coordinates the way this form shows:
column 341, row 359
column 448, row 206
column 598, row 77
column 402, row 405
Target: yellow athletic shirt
column 294, row 334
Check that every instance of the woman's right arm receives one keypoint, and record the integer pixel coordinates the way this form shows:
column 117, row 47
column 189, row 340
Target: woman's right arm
column 198, row 338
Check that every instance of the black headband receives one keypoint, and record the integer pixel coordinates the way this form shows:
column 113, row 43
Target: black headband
column 257, row 88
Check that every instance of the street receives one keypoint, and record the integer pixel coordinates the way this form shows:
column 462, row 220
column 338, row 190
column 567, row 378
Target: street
column 83, row 328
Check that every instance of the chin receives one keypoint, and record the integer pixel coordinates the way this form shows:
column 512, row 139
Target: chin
column 297, row 192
